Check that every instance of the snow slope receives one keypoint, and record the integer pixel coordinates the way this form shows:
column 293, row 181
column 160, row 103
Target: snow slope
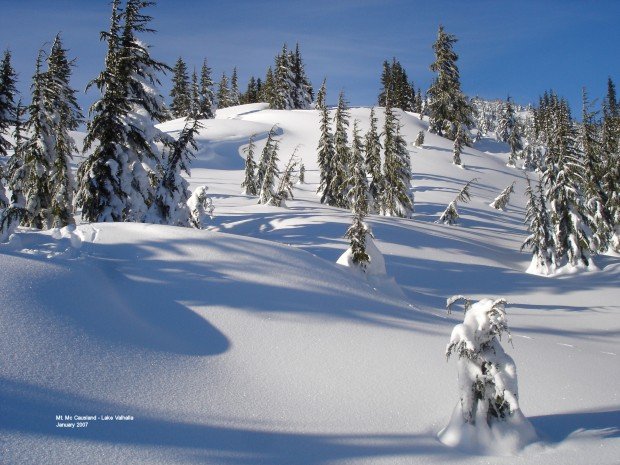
column 247, row 343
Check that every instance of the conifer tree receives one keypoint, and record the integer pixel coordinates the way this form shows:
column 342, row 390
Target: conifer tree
column 8, row 79
column 325, row 151
column 267, row 93
column 372, row 149
column 320, row 96
column 459, row 143
column 251, row 94
column 206, row 107
column 234, row 88
column 396, row 196
column 117, row 181
column 268, row 194
column 283, row 82
column 172, row 192
column 265, row 157
column 16, row 169
column 302, row 88
column 65, row 115
column 181, row 91
column 194, row 106
column 223, row 93
column 501, row 201
column 451, row 215
column 419, row 141
column 301, row 179
column 249, row 184
column 610, row 163
column 285, row 187
column 339, row 186
column 448, row 107
column 538, row 224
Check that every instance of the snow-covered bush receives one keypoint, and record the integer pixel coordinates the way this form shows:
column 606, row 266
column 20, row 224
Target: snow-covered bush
column 200, row 207
column 487, row 418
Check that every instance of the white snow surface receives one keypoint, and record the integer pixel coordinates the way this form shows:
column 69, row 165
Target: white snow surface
column 247, row 344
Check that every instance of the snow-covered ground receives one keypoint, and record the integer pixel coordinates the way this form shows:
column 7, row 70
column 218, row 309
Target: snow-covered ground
column 247, row 343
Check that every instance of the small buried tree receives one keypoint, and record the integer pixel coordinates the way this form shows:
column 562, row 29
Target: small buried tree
column 451, row 215
column 501, row 201
column 487, row 418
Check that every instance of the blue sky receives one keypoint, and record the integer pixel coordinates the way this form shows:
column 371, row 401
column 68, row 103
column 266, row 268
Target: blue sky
column 519, row 48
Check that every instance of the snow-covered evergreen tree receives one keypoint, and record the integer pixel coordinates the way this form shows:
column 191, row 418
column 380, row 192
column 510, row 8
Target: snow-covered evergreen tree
column 419, row 140
column 283, row 82
column 610, row 162
column 372, row 149
column 172, row 192
column 396, row 198
column 265, row 157
column 181, row 91
column 194, row 107
column 459, row 143
column 285, row 187
column 451, row 214
column 268, row 194
column 249, row 184
column 396, row 90
column 16, row 168
column 206, row 106
column 539, row 226
column 8, row 80
column 200, row 207
column 234, row 88
column 267, row 93
column 223, row 93
column 325, row 150
column 117, row 181
column 338, row 166
column 501, row 201
column 448, row 107
column 321, row 95
column 251, row 94
column 65, row 115
column 487, row 414
column 301, row 178
column 302, row 89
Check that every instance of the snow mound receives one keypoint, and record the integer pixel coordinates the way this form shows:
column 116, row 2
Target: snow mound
column 376, row 262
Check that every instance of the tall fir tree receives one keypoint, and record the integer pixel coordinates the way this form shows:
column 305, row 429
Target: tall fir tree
column 206, row 106
column 265, row 157
column 372, row 149
column 117, row 181
column 249, row 184
column 539, row 227
column 234, row 88
column 268, row 194
column 459, row 143
column 610, row 163
column 251, row 94
column 283, row 82
column 338, row 165
column 267, row 93
column 223, row 93
column 325, row 150
column 448, row 107
column 303, row 94
column 65, row 115
column 194, row 107
column 396, row 196
column 181, row 91
column 8, row 91
column 321, row 95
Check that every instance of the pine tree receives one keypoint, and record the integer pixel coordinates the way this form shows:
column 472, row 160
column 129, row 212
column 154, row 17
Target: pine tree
column 451, row 215
column 538, row 224
column 561, row 177
column 325, row 151
column 117, row 181
column 251, row 94
column 65, row 115
column 268, row 194
column 501, row 201
column 265, row 157
column 38, row 153
column 372, row 149
column 320, row 96
column 302, row 90
column 396, row 197
column 268, row 91
column 249, row 184
column 8, row 79
column 206, row 106
column 285, row 188
column 223, row 93
column 459, row 143
column 172, row 192
column 16, row 168
column 339, row 164
column 301, row 179
column 448, row 107
column 181, row 92
column 283, row 82
column 200, row 207
column 194, row 107
column 234, row 88
column 419, row 141
column 610, row 163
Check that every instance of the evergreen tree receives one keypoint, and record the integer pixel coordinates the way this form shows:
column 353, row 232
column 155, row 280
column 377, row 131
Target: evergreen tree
column 117, row 181
column 501, row 201
column 251, row 94
column 448, row 107
column 302, row 174
column 65, row 115
column 268, row 195
column 8, row 79
column 206, row 107
column 194, row 106
column 285, row 188
column 538, row 224
column 610, row 163
column 372, row 149
column 249, row 185
column 172, row 192
column 320, row 96
column 181, row 92
column 325, row 152
column 283, row 82
column 200, row 207
column 268, row 91
column 234, row 88
column 459, row 143
column 451, row 215
column 338, row 165
column 16, row 169
column 419, row 141
column 265, row 157
column 396, row 196
column 223, row 93
column 303, row 94
column 397, row 91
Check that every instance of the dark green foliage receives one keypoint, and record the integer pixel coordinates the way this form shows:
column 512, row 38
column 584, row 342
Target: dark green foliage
column 372, row 149
column 223, row 93
column 249, row 185
column 8, row 79
column 539, row 226
column 181, row 91
column 206, row 105
column 396, row 90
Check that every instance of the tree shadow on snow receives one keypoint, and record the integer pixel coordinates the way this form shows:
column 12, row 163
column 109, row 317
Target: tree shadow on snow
column 558, row 427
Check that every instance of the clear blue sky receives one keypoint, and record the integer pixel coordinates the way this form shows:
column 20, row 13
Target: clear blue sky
column 519, row 48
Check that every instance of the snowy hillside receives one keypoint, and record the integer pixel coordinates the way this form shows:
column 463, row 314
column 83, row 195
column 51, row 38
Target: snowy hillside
column 247, row 344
